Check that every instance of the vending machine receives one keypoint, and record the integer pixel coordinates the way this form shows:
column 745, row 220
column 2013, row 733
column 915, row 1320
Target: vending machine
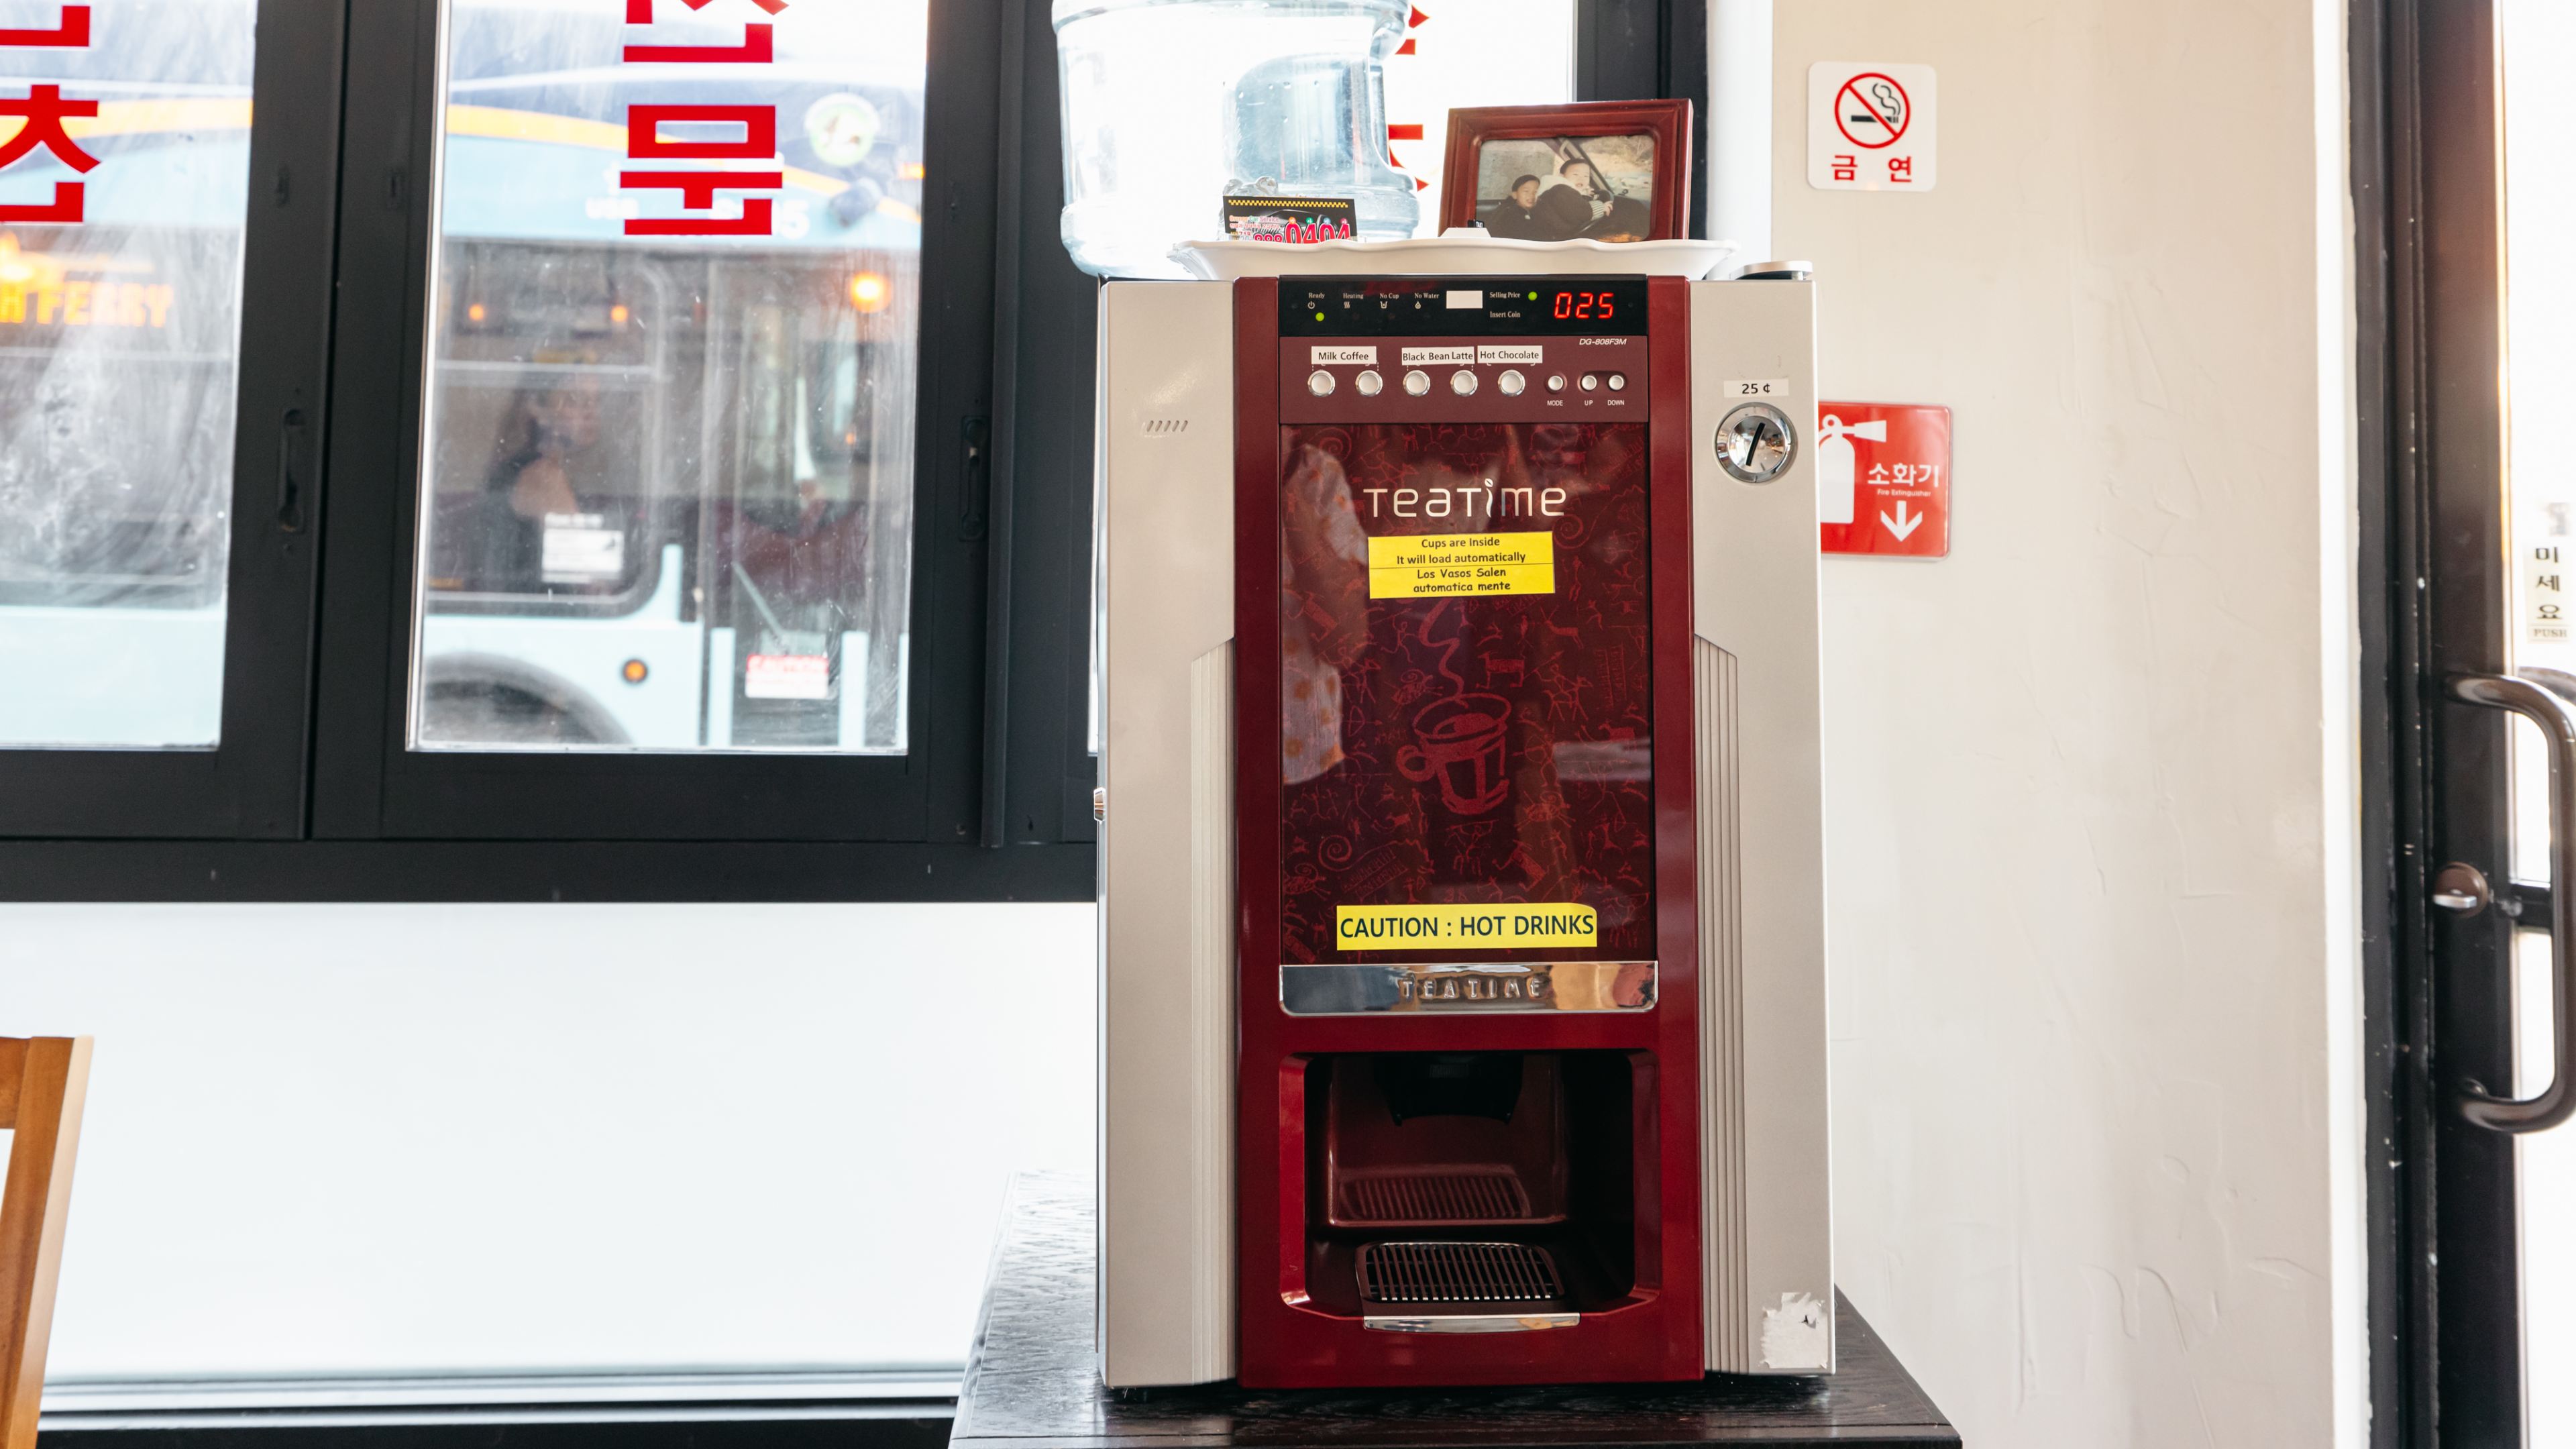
column 1462, row 910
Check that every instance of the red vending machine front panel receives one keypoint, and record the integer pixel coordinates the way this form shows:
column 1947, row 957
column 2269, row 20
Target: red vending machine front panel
column 1469, row 1066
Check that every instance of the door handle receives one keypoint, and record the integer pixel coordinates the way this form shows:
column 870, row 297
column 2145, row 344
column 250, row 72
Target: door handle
column 2556, row 718
column 290, row 493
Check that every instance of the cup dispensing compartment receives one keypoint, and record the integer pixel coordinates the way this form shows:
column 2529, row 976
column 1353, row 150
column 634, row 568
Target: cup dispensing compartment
column 1474, row 1191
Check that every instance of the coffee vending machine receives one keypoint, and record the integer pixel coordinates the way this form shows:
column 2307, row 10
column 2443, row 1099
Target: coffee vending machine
column 1462, row 927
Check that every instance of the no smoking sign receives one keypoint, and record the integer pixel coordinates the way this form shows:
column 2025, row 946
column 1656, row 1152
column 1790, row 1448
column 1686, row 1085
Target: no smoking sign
column 1871, row 126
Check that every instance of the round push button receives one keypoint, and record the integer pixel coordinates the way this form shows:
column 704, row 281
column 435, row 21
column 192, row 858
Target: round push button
column 1417, row 382
column 1462, row 382
column 1369, row 383
column 1556, row 382
column 1618, row 380
column 1511, row 383
column 1591, row 380
column 1320, row 383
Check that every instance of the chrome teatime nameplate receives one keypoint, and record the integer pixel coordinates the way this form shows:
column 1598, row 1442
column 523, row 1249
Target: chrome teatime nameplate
column 1362, row 988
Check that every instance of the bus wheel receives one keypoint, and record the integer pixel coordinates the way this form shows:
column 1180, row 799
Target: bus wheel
column 489, row 712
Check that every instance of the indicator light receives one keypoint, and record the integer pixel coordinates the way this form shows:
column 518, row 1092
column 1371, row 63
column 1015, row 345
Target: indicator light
column 869, row 292
column 635, row 671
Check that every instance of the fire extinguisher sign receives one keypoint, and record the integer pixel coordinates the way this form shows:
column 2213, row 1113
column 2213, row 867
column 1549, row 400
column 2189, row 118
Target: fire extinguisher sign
column 1883, row 479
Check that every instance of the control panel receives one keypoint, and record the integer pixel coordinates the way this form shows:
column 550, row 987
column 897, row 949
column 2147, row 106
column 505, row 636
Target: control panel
column 1433, row 349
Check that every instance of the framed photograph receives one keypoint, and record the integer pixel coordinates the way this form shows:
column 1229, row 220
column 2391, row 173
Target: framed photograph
column 1613, row 171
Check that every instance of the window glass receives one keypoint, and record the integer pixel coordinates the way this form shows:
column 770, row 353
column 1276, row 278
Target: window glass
column 667, row 501
column 124, row 168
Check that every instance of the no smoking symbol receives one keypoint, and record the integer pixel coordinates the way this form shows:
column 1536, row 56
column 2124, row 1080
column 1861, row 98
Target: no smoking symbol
column 1872, row 110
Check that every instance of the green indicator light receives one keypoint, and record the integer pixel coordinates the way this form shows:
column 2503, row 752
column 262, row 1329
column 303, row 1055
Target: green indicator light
column 1319, row 316
column 1533, row 296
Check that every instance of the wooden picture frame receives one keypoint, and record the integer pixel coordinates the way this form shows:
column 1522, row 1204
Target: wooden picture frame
column 1665, row 211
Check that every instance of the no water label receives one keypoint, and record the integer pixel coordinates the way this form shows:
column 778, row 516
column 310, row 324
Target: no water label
column 1872, row 126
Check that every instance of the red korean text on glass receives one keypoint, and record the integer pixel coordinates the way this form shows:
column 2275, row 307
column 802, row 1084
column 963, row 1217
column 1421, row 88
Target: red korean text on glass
column 756, row 47
column 699, row 184
column 41, row 115
column 698, row 187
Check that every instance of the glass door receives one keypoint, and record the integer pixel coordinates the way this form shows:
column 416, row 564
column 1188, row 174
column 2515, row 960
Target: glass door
column 2483, row 325
column 2537, row 40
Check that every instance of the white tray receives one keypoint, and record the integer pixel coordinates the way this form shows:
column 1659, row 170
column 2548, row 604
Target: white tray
column 1223, row 261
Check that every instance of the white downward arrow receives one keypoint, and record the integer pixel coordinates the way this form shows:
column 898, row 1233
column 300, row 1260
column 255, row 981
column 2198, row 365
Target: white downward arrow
column 1902, row 524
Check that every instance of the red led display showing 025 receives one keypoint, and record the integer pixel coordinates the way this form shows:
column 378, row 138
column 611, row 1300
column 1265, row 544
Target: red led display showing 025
column 1582, row 304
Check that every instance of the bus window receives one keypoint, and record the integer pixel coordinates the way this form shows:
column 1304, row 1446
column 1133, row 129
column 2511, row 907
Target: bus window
column 667, row 500
column 118, row 339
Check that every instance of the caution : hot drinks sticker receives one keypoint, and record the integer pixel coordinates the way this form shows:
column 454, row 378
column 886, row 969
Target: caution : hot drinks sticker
column 1464, row 928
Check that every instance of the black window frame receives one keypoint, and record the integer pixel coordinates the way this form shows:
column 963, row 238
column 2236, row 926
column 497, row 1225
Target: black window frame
column 319, row 800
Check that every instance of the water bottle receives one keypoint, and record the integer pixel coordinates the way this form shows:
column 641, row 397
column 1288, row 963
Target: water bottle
column 1169, row 105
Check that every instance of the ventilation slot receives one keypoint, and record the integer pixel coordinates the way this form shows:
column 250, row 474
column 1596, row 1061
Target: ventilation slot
column 1457, row 1273
column 1165, row 427
column 1397, row 1199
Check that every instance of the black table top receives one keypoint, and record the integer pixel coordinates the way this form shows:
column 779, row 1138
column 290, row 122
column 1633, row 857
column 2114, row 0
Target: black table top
column 1034, row 1381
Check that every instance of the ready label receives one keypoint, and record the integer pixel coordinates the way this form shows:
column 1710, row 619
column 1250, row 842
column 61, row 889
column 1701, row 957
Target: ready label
column 1464, row 928
column 1433, row 565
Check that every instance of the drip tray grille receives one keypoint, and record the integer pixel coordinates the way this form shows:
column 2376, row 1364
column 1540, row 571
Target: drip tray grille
column 1457, row 1273
column 1475, row 1195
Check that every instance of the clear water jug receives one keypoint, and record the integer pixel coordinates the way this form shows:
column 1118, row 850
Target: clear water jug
column 1170, row 104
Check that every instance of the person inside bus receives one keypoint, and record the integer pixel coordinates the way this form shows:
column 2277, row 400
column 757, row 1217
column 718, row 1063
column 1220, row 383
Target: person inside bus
column 546, row 457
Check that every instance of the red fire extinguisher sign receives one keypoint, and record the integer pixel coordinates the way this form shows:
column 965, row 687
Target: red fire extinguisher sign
column 1883, row 479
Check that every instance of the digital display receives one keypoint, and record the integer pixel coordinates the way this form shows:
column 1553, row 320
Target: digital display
column 1462, row 306
column 1586, row 304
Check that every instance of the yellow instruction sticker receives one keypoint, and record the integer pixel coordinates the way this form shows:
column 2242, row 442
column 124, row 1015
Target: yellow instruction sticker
column 1463, row 928
column 1433, row 565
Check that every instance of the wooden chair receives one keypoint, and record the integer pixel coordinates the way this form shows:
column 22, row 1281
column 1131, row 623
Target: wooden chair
column 42, row 1082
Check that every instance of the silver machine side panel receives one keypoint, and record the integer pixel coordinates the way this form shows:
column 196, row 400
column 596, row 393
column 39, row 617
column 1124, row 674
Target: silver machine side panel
column 1166, row 845
column 1766, row 1157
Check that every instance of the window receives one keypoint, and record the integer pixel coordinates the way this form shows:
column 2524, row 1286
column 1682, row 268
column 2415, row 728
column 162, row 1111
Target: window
column 679, row 492
column 121, row 223
column 163, row 320
column 667, row 498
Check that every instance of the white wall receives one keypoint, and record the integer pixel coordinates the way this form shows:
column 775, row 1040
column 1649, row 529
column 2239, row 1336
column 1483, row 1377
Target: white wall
column 2091, row 818
column 397, row 1139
